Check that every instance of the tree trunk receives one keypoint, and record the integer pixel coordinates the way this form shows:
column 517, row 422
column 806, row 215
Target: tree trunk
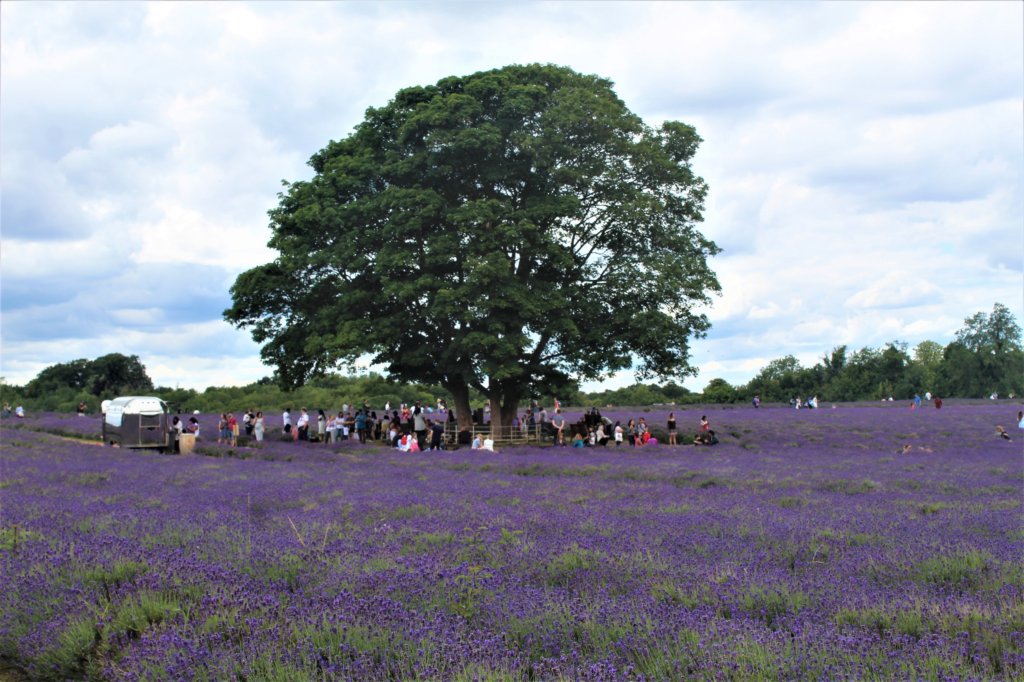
column 503, row 410
column 460, row 400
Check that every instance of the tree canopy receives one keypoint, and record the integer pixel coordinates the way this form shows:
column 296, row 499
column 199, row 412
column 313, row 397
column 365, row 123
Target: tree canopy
column 507, row 231
column 984, row 358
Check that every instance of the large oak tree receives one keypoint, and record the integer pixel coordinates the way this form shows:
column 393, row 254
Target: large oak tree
column 506, row 231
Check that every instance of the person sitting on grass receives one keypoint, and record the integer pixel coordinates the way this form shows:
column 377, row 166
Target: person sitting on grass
column 705, row 438
column 477, row 443
column 577, row 440
column 488, row 445
column 1001, row 432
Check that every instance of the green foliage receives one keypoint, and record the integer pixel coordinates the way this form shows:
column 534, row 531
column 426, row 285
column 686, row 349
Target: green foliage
column 74, row 648
column 771, row 604
column 966, row 570
column 525, row 215
column 62, row 386
column 564, row 567
column 719, row 391
column 985, row 358
column 139, row 612
column 109, row 579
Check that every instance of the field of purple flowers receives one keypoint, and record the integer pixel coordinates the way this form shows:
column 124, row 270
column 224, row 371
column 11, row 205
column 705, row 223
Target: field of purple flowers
column 802, row 546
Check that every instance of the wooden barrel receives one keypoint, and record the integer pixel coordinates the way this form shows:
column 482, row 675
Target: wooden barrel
column 187, row 443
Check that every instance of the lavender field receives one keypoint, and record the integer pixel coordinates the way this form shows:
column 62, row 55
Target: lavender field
column 803, row 546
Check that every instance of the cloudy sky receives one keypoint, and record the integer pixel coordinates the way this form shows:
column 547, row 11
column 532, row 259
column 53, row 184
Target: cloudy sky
column 865, row 161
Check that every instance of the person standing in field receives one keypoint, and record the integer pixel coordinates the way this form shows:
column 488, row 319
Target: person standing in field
column 361, row 426
column 286, row 421
column 321, row 426
column 419, row 425
column 223, row 435
column 558, row 424
column 176, row 429
column 302, row 425
column 672, row 428
column 233, row 429
column 618, row 433
column 258, row 427
column 332, row 425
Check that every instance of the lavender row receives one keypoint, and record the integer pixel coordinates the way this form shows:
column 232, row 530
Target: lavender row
column 801, row 546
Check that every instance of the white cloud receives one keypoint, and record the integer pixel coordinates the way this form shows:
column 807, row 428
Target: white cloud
column 864, row 160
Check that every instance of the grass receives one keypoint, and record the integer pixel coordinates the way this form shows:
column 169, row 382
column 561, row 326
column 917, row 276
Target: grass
column 963, row 571
column 847, row 487
column 564, row 567
column 771, row 604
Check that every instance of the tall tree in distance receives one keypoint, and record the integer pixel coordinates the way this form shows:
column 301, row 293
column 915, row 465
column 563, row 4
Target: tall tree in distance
column 505, row 231
column 994, row 354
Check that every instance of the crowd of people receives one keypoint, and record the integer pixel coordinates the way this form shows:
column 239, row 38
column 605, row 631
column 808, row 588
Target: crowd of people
column 595, row 430
column 409, row 428
column 415, row 428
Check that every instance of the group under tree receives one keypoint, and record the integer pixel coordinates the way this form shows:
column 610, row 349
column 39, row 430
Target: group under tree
column 507, row 232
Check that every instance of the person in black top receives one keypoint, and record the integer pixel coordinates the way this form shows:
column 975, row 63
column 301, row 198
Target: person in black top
column 672, row 428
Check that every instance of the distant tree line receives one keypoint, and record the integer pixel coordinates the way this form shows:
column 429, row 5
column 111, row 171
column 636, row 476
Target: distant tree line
column 985, row 357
